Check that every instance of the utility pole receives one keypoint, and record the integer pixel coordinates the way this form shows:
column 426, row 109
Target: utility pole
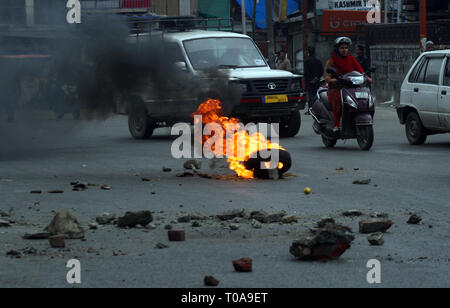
column 270, row 36
column 399, row 10
column 244, row 18
column 305, row 29
column 254, row 18
column 423, row 24
column 386, row 8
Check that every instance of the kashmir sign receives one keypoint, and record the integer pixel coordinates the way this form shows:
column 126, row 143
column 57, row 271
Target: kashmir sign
column 349, row 5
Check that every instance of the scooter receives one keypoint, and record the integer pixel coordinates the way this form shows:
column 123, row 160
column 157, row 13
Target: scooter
column 358, row 110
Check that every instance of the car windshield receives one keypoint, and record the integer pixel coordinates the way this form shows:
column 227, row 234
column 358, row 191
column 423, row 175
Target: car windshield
column 211, row 53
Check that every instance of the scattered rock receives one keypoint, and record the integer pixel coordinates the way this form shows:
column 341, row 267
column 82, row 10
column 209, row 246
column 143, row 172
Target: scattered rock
column 176, row 235
column 379, row 215
column 231, row 214
column 289, row 219
column 266, row 218
column 132, row 219
column 210, row 281
column 243, row 265
column 168, row 227
column 14, row 254
column 37, row 236
column 56, row 191
column 4, row 214
column 362, row 182
column 185, row 174
column 196, row 224
column 184, row 219
column 234, row 227
column 146, row 179
column 161, row 246
column 352, row 213
column 326, row 243
column 376, row 239
column 324, row 221
column 151, row 227
column 92, row 250
column 65, row 223
column 255, row 224
column 58, row 241
column 166, row 169
column 106, row 187
column 79, row 186
column 4, row 223
column 367, row 227
column 36, row 192
column 193, row 162
column 93, row 226
column 30, row 251
column 414, row 219
column 105, row 218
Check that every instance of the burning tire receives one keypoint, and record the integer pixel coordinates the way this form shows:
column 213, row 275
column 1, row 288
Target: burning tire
column 140, row 124
column 254, row 164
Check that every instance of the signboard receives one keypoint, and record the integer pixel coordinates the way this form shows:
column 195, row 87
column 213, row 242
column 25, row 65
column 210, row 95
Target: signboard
column 357, row 5
column 342, row 22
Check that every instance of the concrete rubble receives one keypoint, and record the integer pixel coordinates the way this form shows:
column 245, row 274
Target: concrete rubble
column 326, row 243
column 132, row 219
column 210, row 281
column 376, row 239
column 366, row 227
column 105, row 218
column 65, row 223
column 414, row 219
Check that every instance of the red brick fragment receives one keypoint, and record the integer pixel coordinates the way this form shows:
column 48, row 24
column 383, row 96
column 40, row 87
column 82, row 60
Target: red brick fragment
column 243, row 265
column 58, row 241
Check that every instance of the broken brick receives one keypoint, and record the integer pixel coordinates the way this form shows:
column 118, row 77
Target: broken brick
column 243, row 265
column 210, row 281
column 58, row 241
column 176, row 235
column 367, row 227
column 414, row 219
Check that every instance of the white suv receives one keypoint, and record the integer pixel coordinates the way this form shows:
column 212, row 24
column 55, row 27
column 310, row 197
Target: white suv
column 425, row 97
column 268, row 96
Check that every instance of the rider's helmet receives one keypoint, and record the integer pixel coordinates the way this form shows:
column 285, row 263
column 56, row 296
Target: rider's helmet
column 341, row 40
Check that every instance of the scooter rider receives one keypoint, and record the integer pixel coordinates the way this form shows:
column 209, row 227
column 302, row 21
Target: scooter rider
column 343, row 62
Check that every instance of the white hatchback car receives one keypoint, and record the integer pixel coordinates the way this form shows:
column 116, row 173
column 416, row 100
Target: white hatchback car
column 425, row 97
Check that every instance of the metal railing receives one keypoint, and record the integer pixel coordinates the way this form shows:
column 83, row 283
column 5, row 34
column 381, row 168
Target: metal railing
column 116, row 4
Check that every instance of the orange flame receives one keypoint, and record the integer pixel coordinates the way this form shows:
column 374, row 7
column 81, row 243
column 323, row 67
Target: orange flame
column 238, row 146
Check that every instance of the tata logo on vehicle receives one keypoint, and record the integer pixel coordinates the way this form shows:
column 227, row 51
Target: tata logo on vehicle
column 272, row 86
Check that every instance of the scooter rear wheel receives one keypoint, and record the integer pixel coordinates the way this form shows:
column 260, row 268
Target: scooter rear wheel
column 329, row 143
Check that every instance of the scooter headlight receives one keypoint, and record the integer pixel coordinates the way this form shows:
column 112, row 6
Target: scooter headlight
column 357, row 80
column 352, row 102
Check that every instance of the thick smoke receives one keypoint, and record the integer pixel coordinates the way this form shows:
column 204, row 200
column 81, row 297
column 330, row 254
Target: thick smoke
column 91, row 68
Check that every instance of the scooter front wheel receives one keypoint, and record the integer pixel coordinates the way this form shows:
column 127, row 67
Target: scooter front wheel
column 365, row 137
column 329, row 143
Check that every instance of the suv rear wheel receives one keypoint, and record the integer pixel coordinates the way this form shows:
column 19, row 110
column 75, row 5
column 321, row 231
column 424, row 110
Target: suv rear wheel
column 415, row 131
column 140, row 124
column 290, row 126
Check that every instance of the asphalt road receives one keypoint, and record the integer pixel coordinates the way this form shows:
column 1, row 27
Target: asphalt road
column 405, row 179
